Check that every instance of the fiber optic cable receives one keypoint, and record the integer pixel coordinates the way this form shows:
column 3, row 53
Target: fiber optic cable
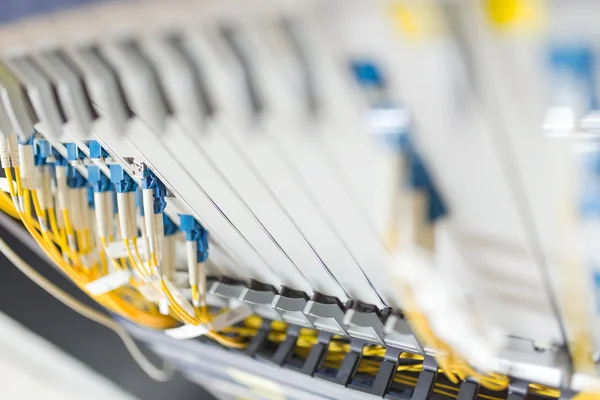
column 125, row 188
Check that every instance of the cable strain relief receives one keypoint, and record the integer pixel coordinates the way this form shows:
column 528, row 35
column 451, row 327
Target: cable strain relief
column 14, row 150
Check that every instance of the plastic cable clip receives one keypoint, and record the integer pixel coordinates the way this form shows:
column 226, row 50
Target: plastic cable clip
column 187, row 331
column 231, row 317
column 108, row 283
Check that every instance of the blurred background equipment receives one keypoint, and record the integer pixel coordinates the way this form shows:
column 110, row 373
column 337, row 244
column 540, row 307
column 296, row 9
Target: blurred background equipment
column 319, row 199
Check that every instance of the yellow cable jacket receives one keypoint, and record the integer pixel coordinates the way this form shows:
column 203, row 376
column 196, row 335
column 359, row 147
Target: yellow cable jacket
column 88, row 312
column 109, row 300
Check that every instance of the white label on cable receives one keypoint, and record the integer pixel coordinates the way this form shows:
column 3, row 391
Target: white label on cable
column 150, row 292
column 163, row 306
column 187, row 331
column 231, row 317
column 117, row 249
column 180, row 299
column 108, row 283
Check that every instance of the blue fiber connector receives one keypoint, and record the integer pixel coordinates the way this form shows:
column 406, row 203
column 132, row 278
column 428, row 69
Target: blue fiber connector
column 100, row 182
column 367, row 73
column 393, row 124
column 195, row 232
column 151, row 181
column 73, row 152
column 170, row 227
column 122, row 181
column 74, row 179
column 419, row 178
column 577, row 62
column 188, row 224
column 96, row 150
column 28, row 142
column 41, row 152
column 59, row 160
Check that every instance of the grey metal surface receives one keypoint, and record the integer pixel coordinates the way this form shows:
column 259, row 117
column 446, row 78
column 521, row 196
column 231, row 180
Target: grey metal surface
column 398, row 334
column 292, row 310
column 364, row 325
column 327, row 317
column 203, row 361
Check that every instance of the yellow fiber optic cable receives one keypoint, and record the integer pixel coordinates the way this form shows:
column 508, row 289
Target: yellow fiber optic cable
column 147, row 270
column 132, row 260
column 108, row 300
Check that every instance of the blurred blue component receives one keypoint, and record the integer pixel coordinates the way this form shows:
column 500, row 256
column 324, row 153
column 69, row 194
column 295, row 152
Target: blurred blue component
column 367, row 73
column 41, row 151
column 390, row 124
column 578, row 62
column 589, row 197
column 596, row 281
column 576, row 58
column 419, row 179
column 96, row 150
column 90, row 197
column 44, row 148
column 114, row 202
column 74, row 179
column 195, row 232
column 73, row 152
column 386, row 117
column 58, row 158
column 29, row 140
column 151, row 181
column 203, row 246
column 122, row 181
column 139, row 201
column 170, row 227
column 395, row 141
column 11, row 11
column 100, row 182
column 187, row 223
